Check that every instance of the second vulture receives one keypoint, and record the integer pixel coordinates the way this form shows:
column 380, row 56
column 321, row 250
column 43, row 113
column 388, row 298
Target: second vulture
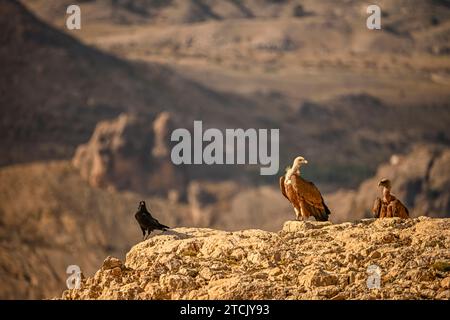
column 388, row 206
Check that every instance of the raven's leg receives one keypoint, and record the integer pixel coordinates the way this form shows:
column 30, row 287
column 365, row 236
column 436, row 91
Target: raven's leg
column 143, row 233
column 148, row 234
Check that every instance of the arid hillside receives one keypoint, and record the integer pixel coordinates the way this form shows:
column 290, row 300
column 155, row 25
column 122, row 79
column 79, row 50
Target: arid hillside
column 343, row 96
column 305, row 260
column 55, row 89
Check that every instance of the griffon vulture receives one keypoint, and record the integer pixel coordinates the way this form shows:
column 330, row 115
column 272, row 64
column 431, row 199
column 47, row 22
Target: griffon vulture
column 388, row 206
column 303, row 195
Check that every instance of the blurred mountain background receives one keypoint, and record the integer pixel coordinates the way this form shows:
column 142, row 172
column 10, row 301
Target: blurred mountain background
column 86, row 117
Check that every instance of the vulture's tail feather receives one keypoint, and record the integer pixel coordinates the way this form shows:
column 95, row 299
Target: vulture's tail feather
column 323, row 216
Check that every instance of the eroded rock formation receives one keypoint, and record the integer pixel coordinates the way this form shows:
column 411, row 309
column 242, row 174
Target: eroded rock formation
column 131, row 152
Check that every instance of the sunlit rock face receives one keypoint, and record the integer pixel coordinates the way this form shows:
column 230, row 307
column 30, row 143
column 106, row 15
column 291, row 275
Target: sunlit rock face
column 305, row 260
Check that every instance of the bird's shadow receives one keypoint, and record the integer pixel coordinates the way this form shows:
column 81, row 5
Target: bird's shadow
column 177, row 234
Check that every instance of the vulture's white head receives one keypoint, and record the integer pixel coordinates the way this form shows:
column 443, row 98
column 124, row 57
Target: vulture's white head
column 295, row 169
column 298, row 162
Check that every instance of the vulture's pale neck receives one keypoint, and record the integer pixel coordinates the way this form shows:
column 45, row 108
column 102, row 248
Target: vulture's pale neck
column 294, row 170
column 386, row 194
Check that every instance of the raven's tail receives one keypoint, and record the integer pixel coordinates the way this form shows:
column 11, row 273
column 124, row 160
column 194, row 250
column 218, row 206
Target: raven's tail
column 163, row 227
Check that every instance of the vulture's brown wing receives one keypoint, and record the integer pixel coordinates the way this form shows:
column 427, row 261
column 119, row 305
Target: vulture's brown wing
column 307, row 191
column 282, row 188
column 399, row 209
column 406, row 210
column 376, row 208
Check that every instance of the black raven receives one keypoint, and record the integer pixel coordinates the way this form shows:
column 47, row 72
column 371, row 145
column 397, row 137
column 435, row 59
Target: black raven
column 146, row 221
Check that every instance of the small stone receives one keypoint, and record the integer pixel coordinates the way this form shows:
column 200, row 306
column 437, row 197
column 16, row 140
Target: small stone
column 444, row 295
column 205, row 273
column 277, row 257
column 319, row 278
column 375, row 255
column 117, row 271
column 351, row 277
column 442, row 266
column 445, row 283
column 275, row 272
column 111, row 263
column 260, row 275
column 339, row 296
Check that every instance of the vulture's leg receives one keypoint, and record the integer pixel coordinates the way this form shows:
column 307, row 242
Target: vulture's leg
column 297, row 214
column 304, row 211
column 390, row 211
column 143, row 233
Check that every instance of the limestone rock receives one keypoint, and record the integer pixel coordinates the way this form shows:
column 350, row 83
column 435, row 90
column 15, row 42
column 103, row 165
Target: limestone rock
column 111, row 263
column 305, row 260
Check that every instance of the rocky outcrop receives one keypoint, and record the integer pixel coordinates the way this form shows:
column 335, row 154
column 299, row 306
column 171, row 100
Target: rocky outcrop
column 131, row 152
column 305, row 260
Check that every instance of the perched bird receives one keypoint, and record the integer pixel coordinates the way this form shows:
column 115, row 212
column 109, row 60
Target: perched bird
column 303, row 195
column 388, row 206
column 146, row 221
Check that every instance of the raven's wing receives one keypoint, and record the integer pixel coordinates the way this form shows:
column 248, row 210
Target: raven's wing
column 144, row 219
column 147, row 221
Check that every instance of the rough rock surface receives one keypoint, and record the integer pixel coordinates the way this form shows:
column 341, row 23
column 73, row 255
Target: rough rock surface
column 305, row 260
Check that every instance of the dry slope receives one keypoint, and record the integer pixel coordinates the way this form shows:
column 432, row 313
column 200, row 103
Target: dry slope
column 306, row 260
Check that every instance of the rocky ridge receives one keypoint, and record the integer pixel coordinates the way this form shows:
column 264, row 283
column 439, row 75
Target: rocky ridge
column 305, row 260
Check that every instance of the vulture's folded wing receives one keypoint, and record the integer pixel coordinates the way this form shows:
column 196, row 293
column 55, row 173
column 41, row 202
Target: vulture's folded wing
column 376, row 208
column 308, row 191
column 399, row 209
column 312, row 197
column 282, row 188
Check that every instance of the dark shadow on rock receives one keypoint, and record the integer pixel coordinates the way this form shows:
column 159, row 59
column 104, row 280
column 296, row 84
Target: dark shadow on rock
column 179, row 235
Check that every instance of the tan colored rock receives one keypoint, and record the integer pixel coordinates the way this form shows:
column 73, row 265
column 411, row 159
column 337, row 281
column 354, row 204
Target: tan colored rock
column 375, row 255
column 445, row 283
column 117, row 272
column 321, row 261
column 298, row 226
column 318, row 278
column 111, row 263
